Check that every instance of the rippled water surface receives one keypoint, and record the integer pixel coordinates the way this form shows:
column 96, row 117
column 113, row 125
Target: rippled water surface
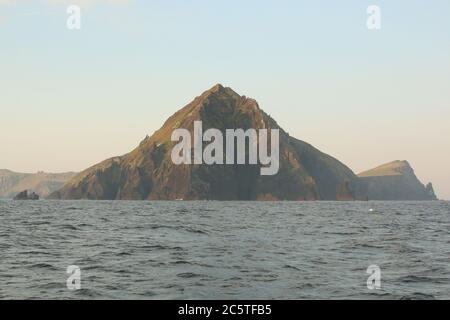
column 224, row 250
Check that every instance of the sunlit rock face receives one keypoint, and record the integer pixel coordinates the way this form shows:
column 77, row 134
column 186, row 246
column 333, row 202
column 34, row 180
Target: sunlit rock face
column 148, row 172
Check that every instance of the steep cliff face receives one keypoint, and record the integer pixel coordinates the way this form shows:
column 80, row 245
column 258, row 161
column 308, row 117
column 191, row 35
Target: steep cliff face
column 148, row 172
column 42, row 183
column 395, row 181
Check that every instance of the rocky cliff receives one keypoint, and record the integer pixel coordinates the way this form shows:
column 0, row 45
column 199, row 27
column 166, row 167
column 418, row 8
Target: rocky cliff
column 395, row 181
column 148, row 172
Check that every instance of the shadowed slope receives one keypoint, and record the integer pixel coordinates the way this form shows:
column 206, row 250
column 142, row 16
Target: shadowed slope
column 396, row 181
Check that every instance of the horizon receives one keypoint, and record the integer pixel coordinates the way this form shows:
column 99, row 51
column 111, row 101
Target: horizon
column 75, row 98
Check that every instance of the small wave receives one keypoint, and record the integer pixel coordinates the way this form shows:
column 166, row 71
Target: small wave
column 195, row 230
column 85, row 225
column 40, row 223
column 32, row 253
column 418, row 296
column 154, row 247
column 52, row 285
column 67, row 227
column 188, row 275
column 43, row 266
column 413, row 279
column 180, row 262
column 85, row 292
column 147, row 294
column 287, row 266
column 124, row 253
column 304, row 286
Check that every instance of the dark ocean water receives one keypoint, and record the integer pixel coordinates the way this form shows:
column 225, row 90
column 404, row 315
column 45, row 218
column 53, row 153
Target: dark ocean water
column 224, row 250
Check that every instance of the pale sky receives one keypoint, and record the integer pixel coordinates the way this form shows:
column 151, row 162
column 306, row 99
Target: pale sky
column 70, row 99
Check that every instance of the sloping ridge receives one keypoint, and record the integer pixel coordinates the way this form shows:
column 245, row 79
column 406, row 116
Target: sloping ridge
column 147, row 172
column 396, row 181
column 394, row 168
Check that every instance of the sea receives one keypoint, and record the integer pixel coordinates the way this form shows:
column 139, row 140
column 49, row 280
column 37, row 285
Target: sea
column 224, row 250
